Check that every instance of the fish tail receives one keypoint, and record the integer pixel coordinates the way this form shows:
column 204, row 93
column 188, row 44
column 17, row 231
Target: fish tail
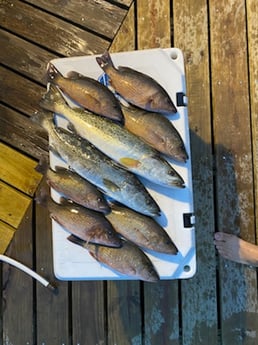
column 43, row 165
column 105, row 60
column 43, row 118
column 51, row 99
column 42, row 197
column 52, row 74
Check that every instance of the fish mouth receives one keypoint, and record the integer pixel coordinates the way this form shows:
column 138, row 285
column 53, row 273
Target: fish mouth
column 103, row 209
column 112, row 244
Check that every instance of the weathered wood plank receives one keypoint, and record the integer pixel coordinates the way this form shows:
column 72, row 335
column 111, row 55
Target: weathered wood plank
column 88, row 303
column 21, row 133
column 155, row 326
column 18, row 314
column 234, row 180
column 48, row 31
column 100, row 16
column 6, row 235
column 53, row 312
column 198, row 294
column 161, row 316
column 123, row 297
column 1, row 305
column 156, row 312
column 32, row 61
column 124, row 2
column 20, row 93
column 153, row 24
column 252, row 31
column 18, row 170
column 124, row 313
column 125, row 39
column 160, row 301
column 13, row 205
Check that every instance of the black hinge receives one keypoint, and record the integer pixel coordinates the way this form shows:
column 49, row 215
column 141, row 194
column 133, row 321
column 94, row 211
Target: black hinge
column 188, row 220
column 181, row 99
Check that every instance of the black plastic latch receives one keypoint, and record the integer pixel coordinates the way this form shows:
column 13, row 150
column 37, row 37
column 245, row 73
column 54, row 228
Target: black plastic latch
column 181, row 99
column 188, row 220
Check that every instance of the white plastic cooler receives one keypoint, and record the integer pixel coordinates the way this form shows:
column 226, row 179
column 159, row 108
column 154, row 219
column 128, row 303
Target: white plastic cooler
column 72, row 262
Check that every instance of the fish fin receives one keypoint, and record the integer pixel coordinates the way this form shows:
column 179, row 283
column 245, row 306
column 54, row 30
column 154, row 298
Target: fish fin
column 43, row 164
column 76, row 240
column 52, row 96
column 95, row 253
column 129, row 162
column 111, row 185
column 64, row 201
column 43, row 118
column 94, row 256
column 60, row 169
column 42, row 196
column 104, row 60
column 74, row 75
column 52, row 73
column 71, row 127
column 149, row 103
column 54, row 151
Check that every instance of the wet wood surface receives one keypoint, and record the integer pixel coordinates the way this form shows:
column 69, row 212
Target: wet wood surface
column 218, row 306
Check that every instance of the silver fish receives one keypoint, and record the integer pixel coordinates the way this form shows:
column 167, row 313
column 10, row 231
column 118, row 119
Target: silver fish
column 116, row 142
column 87, row 161
column 136, row 87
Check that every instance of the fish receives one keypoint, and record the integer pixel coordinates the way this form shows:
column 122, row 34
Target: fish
column 142, row 230
column 88, row 225
column 88, row 162
column 136, row 87
column 115, row 141
column 87, row 92
column 128, row 260
column 157, row 130
column 75, row 188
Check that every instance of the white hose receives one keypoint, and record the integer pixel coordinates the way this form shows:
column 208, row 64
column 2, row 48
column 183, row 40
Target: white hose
column 27, row 270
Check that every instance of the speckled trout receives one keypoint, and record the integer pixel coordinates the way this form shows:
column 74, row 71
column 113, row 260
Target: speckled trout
column 115, row 141
column 136, row 87
column 87, row 161
column 128, row 260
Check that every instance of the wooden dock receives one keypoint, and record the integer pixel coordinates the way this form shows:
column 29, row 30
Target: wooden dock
column 218, row 306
